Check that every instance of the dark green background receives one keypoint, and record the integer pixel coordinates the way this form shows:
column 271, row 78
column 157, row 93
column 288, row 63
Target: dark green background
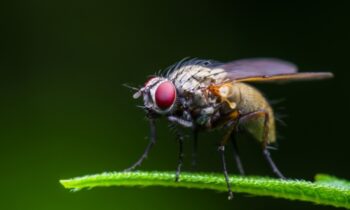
column 64, row 112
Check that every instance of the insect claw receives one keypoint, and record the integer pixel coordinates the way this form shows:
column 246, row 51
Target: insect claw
column 230, row 196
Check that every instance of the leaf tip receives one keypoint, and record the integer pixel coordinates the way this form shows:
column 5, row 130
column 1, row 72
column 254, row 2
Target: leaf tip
column 64, row 183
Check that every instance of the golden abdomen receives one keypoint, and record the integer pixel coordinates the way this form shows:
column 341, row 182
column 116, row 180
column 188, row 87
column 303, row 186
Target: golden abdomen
column 248, row 101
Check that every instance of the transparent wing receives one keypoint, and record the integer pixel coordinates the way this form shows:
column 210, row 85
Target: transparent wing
column 268, row 70
column 289, row 77
column 257, row 67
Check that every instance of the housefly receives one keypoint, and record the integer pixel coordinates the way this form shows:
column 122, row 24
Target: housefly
column 203, row 95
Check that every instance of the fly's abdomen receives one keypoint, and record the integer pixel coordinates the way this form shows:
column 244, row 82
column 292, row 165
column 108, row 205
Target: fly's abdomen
column 256, row 113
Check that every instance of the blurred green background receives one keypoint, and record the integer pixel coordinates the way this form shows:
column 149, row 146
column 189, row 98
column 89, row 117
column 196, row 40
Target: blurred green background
column 65, row 113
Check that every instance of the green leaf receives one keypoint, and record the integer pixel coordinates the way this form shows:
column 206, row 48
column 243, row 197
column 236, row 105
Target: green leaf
column 326, row 190
column 332, row 181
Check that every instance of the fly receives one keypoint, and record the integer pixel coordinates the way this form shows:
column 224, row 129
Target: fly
column 203, row 95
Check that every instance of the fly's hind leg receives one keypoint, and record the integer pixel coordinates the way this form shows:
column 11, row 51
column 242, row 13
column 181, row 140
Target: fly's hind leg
column 257, row 123
column 273, row 166
column 236, row 154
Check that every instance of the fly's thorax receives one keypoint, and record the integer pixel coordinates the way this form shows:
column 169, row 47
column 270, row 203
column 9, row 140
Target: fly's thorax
column 226, row 93
column 190, row 78
column 191, row 82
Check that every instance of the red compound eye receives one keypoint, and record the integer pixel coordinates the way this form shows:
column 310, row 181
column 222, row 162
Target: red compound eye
column 165, row 95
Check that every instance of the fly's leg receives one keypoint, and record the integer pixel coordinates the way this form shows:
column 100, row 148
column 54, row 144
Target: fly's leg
column 184, row 121
column 263, row 117
column 180, row 138
column 221, row 150
column 195, row 148
column 273, row 166
column 236, row 155
column 180, row 121
column 266, row 152
column 152, row 141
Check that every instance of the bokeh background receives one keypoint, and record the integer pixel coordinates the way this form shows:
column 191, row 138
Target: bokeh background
column 65, row 113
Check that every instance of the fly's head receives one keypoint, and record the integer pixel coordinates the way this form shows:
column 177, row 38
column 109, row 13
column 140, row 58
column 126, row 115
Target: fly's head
column 159, row 96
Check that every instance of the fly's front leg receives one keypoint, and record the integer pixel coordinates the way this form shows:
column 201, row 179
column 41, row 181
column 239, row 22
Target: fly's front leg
column 185, row 121
column 152, row 141
column 180, row 121
column 180, row 138
column 257, row 123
